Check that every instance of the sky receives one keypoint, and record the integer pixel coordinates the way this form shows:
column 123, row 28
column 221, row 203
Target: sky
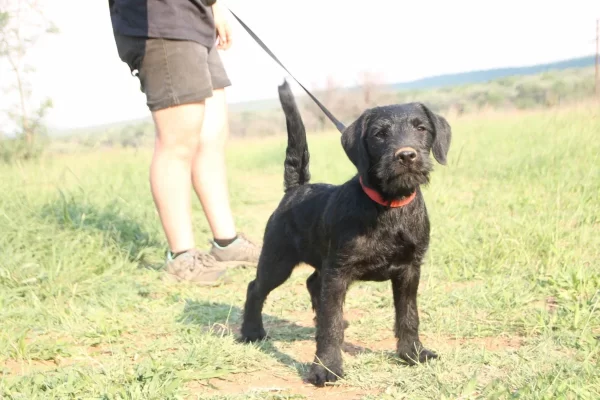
column 396, row 39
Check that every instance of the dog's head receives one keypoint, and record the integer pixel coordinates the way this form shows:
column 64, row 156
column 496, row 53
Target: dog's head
column 390, row 146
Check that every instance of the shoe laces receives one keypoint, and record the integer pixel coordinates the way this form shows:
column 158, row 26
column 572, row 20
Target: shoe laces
column 247, row 240
column 202, row 260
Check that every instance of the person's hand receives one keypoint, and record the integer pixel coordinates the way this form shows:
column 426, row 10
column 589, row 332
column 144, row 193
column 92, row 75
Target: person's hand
column 223, row 28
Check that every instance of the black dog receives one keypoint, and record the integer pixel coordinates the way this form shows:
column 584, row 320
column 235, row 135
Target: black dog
column 372, row 228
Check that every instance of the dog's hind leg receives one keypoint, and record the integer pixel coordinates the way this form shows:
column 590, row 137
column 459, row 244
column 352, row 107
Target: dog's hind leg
column 272, row 271
column 404, row 287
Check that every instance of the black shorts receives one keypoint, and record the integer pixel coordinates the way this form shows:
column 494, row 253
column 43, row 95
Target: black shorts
column 172, row 72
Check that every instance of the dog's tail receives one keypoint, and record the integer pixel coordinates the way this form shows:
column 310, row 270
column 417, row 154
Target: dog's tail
column 296, row 155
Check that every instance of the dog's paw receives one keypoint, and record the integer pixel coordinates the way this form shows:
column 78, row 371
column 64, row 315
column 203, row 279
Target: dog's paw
column 320, row 375
column 249, row 336
column 414, row 354
column 426, row 355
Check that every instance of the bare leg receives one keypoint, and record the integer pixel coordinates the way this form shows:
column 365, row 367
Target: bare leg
column 177, row 135
column 209, row 175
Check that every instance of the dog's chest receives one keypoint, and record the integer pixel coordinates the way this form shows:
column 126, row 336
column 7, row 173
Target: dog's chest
column 392, row 244
column 395, row 245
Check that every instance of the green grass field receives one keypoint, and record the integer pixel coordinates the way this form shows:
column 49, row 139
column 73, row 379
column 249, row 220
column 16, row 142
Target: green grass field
column 509, row 297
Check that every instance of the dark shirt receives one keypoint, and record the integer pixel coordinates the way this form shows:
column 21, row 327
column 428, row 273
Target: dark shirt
column 169, row 19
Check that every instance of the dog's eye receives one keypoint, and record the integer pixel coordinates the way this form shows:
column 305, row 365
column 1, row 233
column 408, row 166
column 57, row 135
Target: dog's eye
column 381, row 133
column 421, row 128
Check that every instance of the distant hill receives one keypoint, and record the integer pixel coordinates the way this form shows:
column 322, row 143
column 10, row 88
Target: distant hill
column 99, row 128
column 429, row 85
column 490, row 74
column 542, row 88
column 446, row 80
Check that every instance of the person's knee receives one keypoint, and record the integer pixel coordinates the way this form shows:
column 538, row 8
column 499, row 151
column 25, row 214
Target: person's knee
column 178, row 130
column 215, row 125
column 181, row 150
column 214, row 145
column 176, row 144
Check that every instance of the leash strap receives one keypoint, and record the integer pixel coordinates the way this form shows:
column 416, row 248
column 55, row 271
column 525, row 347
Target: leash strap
column 340, row 127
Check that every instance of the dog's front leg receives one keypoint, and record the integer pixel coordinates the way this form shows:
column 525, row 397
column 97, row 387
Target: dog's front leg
column 327, row 366
column 405, row 286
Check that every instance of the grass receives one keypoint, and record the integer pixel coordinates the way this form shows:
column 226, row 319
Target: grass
column 509, row 298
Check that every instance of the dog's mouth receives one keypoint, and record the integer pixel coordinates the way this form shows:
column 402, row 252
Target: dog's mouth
column 401, row 169
column 396, row 180
column 408, row 179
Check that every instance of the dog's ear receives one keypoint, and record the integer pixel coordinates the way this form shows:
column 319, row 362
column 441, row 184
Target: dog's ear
column 353, row 142
column 442, row 135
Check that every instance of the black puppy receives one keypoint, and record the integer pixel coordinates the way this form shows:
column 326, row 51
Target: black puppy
column 372, row 228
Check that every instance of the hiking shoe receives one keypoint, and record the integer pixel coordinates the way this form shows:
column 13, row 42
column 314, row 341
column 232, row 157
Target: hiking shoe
column 197, row 267
column 241, row 251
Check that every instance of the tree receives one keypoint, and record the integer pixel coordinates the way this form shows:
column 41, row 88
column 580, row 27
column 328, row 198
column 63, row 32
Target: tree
column 334, row 97
column 22, row 24
column 372, row 92
column 368, row 83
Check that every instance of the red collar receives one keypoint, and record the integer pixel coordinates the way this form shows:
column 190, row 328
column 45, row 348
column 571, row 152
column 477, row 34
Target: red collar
column 376, row 197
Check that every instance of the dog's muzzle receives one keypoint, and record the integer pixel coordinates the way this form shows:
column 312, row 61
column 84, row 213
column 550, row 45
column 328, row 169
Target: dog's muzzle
column 406, row 155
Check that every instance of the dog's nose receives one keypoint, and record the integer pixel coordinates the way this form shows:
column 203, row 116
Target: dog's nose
column 406, row 155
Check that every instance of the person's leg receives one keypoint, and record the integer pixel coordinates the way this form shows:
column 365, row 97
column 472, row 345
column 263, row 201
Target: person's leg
column 174, row 76
column 178, row 78
column 176, row 99
column 176, row 126
column 209, row 174
column 176, row 140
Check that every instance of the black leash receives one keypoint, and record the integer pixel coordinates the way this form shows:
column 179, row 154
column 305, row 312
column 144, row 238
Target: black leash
column 340, row 127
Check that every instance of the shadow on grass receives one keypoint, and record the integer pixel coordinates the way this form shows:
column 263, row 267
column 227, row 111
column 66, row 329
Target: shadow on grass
column 222, row 319
column 117, row 228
